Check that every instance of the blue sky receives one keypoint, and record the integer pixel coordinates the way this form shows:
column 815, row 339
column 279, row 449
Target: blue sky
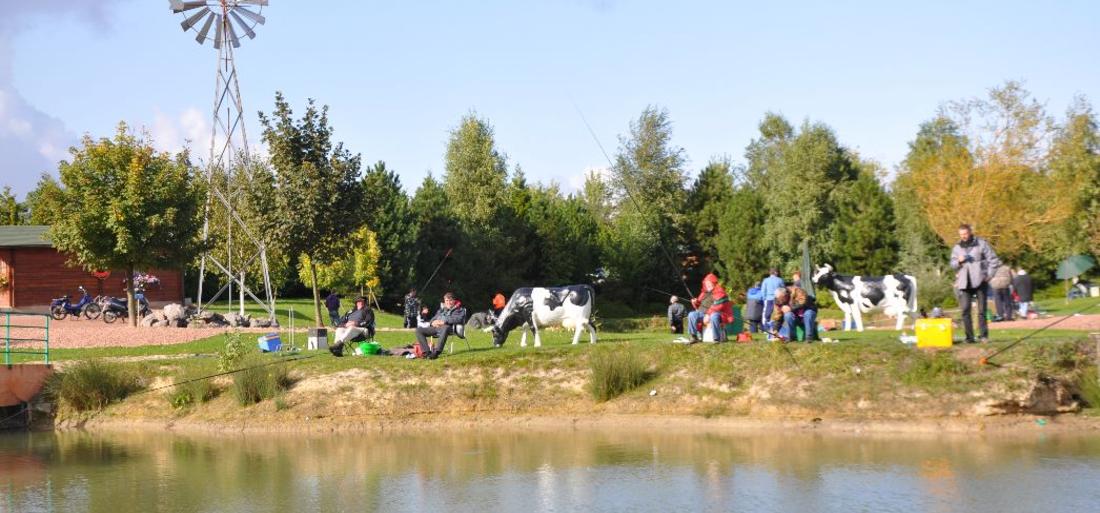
column 399, row 75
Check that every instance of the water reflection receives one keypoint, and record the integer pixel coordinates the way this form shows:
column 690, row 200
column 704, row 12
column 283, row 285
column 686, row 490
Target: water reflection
column 544, row 471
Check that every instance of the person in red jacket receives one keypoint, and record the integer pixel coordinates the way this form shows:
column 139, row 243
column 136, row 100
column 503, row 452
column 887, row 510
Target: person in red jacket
column 712, row 310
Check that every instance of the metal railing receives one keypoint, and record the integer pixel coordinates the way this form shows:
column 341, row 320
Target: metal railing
column 25, row 319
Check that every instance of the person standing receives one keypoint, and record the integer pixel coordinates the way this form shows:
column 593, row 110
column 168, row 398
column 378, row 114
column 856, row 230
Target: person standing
column 412, row 306
column 676, row 313
column 1001, row 283
column 974, row 262
column 1022, row 284
column 332, row 303
column 767, row 289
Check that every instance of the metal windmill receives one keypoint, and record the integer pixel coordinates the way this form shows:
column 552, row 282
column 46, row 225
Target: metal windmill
column 227, row 20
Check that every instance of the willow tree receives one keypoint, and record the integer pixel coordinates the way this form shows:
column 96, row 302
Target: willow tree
column 124, row 205
column 318, row 191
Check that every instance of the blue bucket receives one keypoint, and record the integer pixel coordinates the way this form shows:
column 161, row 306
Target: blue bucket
column 269, row 343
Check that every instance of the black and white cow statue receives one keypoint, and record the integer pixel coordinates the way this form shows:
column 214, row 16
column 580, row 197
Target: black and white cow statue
column 896, row 294
column 538, row 307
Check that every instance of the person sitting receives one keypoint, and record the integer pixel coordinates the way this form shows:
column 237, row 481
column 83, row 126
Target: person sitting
column 499, row 301
column 450, row 314
column 355, row 325
column 676, row 313
column 793, row 305
column 712, row 310
column 424, row 320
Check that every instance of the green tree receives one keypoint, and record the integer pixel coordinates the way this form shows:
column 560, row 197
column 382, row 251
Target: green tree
column 1074, row 165
column 863, row 233
column 706, row 202
column 476, row 173
column 387, row 212
column 123, row 205
column 318, row 184
column 45, row 201
column 741, row 250
column 438, row 233
column 12, row 212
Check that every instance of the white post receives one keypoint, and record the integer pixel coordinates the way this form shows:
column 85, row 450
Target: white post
column 241, row 287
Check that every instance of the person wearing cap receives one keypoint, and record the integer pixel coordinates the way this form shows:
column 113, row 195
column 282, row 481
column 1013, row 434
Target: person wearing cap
column 357, row 324
column 451, row 313
column 793, row 305
column 676, row 313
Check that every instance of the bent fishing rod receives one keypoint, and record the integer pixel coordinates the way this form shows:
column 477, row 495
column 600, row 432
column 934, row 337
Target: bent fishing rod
column 430, row 278
column 626, row 188
column 985, row 360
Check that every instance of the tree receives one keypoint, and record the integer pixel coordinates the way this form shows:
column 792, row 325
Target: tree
column 476, row 173
column 741, row 250
column 862, row 235
column 706, row 202
column 356, row 269
column 387, row 212
column 647, row 195
column 123, row 205
column 12, row 212
column 318, row 186
column 991, row 174
column 1075, row 166
column 438, row 233
column 45, row 201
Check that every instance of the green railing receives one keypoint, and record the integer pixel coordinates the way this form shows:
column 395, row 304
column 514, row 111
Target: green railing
column 25, row 331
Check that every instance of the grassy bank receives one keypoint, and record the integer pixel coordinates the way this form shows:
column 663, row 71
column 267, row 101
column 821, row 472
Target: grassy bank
column 866, row 375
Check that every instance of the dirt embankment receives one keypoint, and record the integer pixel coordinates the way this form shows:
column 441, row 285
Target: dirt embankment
column 464, row 397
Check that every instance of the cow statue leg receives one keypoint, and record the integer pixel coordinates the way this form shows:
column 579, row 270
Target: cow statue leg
column 535, row 329
column 577, row 333
column 857, row 317
column 901, row 314
column 523, row 338
column 591, row 331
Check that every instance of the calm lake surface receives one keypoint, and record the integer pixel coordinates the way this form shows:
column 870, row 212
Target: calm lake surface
column 582, row 471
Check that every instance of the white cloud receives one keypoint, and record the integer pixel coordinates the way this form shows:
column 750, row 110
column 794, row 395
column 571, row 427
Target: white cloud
column 188, row 129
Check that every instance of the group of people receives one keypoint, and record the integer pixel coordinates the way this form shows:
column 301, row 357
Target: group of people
column 772, row 306
column 358, row 324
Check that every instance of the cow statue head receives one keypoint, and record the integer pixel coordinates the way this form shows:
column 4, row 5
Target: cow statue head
column 824, row 275
column 515, row 314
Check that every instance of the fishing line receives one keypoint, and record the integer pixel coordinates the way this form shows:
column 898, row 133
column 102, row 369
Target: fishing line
column 226, row 373
column 660, row 243
column 430, row 278
column 985, row 360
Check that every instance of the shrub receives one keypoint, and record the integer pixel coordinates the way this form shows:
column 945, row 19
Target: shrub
column 93, row 384
column 1089, row 387
column 258, row 382
column 234, row 353
column 615, row 373
column 927, row 369
column 191, row 393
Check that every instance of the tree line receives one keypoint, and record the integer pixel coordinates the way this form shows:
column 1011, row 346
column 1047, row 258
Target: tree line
column 1026, row 180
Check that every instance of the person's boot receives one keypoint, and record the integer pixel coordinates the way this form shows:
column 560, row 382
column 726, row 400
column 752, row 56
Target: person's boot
column 337, row 349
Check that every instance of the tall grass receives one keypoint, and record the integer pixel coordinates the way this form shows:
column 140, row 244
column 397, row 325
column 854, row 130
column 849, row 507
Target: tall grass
column 615, row 372
column 1089, row 386
column 191, row 393
column 93, row 384
column 259, row 382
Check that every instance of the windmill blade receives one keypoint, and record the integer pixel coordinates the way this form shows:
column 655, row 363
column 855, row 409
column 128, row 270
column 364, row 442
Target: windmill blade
column 218, row 31
column 244, row 25
column 232, row 34
column 253, row 2
column 256, row 17
column 201, row 38
column 191, row 21
column 180, row 6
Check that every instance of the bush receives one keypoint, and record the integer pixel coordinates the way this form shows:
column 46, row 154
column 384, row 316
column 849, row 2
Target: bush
column 93, row 384
column 234, row 353
column 1089, row 387
column 259, row 382
column 927, row 369
column 191, row 393
column 615, row 372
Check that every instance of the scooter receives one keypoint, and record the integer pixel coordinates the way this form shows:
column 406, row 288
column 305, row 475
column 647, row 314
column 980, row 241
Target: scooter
column 63, row 307
column 115, row 307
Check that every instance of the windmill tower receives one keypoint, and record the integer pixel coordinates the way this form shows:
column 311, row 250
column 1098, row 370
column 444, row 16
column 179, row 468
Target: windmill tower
column 227, row 20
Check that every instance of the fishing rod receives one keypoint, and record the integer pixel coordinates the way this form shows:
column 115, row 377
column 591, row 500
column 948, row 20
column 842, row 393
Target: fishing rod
column 985, row 360
column 669, row 294
column 226, row 373
column 430, row 278
column 626, row 188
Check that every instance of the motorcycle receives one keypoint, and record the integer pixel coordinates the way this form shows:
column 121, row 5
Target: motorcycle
column 115, row 307
column 63, row 307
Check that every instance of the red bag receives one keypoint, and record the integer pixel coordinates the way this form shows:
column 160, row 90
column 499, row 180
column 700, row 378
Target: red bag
column 744, row 337
column 419, row 353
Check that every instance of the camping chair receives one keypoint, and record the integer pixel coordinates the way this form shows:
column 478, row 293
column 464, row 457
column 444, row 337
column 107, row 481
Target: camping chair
column 458, row 330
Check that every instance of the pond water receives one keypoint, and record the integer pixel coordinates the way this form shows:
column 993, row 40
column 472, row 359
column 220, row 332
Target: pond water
column 583, row 471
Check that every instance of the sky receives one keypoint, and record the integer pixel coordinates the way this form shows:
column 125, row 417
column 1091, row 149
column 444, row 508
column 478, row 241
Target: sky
column 398, row 76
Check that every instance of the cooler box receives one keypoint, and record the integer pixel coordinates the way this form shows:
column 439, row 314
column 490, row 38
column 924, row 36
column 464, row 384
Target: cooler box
column 269, row 343
column 933, row 332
